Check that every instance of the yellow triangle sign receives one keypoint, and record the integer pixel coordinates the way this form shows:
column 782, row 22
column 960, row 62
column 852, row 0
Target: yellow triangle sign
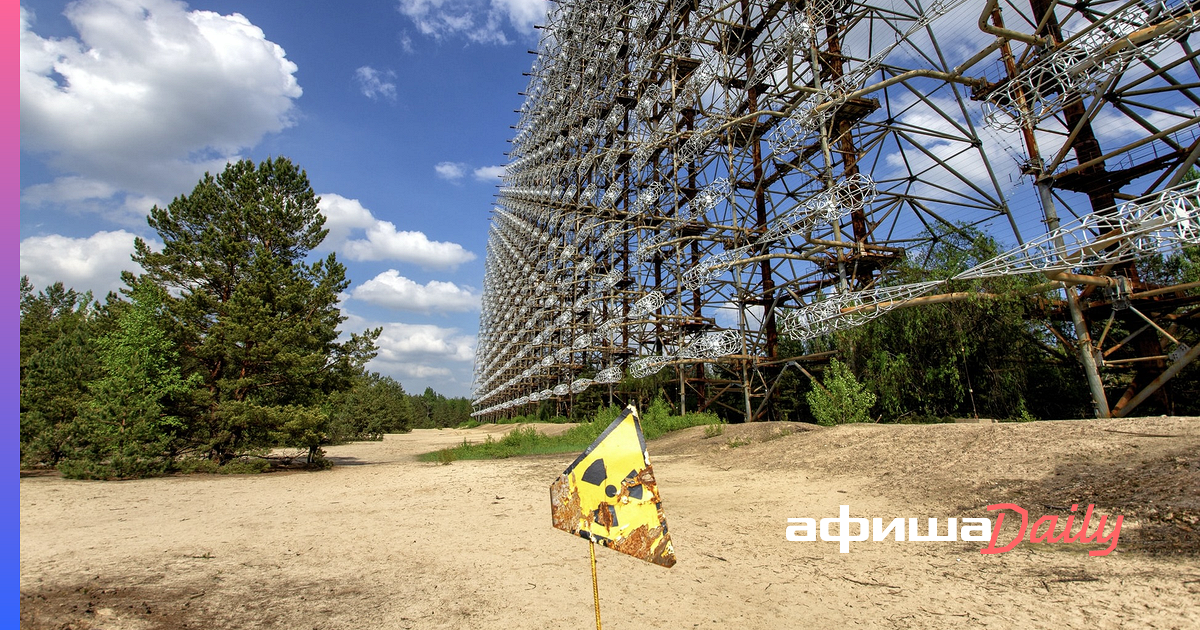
column 608, row 495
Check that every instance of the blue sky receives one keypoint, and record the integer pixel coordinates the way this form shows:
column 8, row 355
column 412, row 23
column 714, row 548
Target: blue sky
column 399, row 111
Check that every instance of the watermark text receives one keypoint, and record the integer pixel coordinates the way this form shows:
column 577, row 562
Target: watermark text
column 1044, row 530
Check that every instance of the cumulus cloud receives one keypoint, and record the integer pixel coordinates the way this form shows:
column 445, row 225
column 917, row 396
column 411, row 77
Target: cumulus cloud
column 413, row 342
column 342, row 217
column 93, row 263
column 452, row 171
column 149, row 95
column 380, row 240
column 375, row 84
column 384, row 242
column 479, row 21
column 422, row 355
column 489, row 174
column 729, row 315
column 392, row 290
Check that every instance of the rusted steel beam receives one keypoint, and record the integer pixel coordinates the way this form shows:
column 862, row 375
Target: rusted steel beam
column 1123, row 407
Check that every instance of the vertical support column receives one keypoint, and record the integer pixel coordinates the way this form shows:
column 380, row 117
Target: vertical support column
column 842, row 130
column 1085, row 349
column 1087, row 355
column 765, row 293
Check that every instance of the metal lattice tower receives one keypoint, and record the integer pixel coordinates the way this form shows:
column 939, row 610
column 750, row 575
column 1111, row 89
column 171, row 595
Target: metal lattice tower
column 692, row 181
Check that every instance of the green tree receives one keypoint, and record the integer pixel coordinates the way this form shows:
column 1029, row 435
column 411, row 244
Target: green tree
column 421, row 413
column 128, row 428
column 374, row 405
column 253, row 318
column 58, row 358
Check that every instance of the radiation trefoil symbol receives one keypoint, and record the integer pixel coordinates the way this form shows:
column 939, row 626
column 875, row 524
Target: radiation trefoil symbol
column 608, row 495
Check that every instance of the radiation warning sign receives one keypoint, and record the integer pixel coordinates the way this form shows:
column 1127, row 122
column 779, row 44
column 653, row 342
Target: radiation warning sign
column 608, row 495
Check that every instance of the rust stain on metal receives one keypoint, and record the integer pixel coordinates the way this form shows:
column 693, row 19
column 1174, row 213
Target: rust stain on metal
column 609, row 495
column 606, row 515
column 650, row 544
column 564, row 504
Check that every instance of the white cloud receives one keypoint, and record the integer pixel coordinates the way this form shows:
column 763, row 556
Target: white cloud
column 522, row 14
column 416, row 342
column 374, row 84
column 346, row 218
column 385, row 242
column 150, row 94
column 455, row 171
column 392, row 290
column 1111, row 125
column 90, row 195
column 421, row 355
column 406, row 43
column 414, row 370
column 91, row 264
column 729, row 315
column 452, row 171
column 479, row 21
column 948, row 165
column 343, row 216
column 489, row 174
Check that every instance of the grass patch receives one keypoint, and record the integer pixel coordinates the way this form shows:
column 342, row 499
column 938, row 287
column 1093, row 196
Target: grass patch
column 656, row 422
column 446, row 455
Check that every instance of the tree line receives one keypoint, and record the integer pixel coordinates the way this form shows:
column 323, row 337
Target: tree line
column 226, row 347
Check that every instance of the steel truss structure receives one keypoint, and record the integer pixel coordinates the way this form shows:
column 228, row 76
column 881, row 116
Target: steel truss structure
column 693, row 181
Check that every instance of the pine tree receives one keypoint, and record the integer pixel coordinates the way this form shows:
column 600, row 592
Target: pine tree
column 254, row 319
column 58, row 358
column 375, row 405
column 128, row 429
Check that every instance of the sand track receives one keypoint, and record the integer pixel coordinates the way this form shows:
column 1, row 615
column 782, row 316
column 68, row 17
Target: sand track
column 384, row 541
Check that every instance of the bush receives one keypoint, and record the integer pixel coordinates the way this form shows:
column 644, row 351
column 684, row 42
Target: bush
column 245, row 466
column 842, row 400
column 543, row 418
column 119, row 467
column 189, row 465
column 239, row 466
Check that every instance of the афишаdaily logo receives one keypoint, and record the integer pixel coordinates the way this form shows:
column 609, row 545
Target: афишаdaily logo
column 1044, row 530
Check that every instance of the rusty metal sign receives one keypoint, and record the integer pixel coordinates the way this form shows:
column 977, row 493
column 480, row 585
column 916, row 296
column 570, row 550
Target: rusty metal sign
column 608, row 495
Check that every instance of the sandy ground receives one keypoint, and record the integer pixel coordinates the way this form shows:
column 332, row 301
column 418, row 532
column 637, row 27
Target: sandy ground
column 384, row 541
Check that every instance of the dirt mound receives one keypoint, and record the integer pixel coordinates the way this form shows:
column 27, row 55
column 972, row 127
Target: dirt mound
column 1147, row 469
column 1158, row 496
column 711, row 439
